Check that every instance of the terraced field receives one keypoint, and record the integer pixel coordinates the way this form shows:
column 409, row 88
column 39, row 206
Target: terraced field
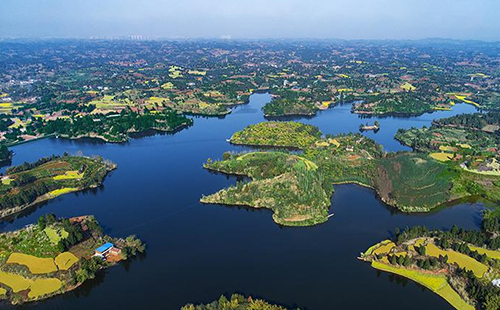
column 412, row 182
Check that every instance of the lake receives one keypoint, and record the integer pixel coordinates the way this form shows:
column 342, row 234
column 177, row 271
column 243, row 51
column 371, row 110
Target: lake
column 197, row 252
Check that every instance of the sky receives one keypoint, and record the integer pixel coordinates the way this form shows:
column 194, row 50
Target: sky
column 252, row 19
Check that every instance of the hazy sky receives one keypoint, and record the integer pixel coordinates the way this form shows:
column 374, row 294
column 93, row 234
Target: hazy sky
column 344, row 19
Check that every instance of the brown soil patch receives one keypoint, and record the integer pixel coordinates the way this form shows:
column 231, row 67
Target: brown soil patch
column 383, row 184
column 114, row 258
column 397, row 167
column 55, row 165
column 353, row 157
column 297, row 218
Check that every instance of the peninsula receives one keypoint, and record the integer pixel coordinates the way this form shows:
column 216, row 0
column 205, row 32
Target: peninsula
column 298, row 186
column 459, row 265
column 55, row 256
column 30, row 183
column 237, row 302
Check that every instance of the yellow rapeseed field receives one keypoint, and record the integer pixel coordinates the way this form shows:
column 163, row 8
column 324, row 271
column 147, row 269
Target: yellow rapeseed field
column 16, row 282
column 489, row 253
column 65, row 260
column 62, row 191
column 408, row 86
column 36, row 265
column 442, row 156
column 436, row 283
column 460, row 259
column 69, row 175
column 384, row 247
column 447, row 148
column 41, row 287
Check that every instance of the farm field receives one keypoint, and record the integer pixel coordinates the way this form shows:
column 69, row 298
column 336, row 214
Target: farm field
column 16, row 282
column 55, row 235
column 442, row 156
column 489, row 253
column 462, row 260
column 65, row 260
column 36, row 265
column 42, row 287
column 436, row 283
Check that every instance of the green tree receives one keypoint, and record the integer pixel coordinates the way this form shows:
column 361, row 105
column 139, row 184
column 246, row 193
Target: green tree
column 492, row 302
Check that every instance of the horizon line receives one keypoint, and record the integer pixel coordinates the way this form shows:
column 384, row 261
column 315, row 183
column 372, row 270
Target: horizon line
column 229, row 38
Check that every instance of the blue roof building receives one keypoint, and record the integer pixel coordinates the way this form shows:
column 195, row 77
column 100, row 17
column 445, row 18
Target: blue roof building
column 103, row 248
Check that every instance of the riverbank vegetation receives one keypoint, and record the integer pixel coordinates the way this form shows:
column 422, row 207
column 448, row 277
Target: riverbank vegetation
column 297, row 187
column 5, row 153
column 279, row 107
column 31, row 183
column 458, row 265
column 113, row 127
column 55, row 256
column 235, row 302
column 406, row 103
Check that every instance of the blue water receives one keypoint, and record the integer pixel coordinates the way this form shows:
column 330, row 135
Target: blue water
column 198, row 252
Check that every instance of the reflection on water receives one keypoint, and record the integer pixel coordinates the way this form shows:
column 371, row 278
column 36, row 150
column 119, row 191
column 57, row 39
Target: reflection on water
column 197, row 252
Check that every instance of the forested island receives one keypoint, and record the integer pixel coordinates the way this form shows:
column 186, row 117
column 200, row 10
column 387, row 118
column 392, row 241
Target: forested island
column 298, row 186
column 31, row 183
column 277, row 134
column 236, row 302
column 461, row 266
column 55, row 256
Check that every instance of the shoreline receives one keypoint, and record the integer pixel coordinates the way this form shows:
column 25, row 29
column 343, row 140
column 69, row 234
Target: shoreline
column 47, row 197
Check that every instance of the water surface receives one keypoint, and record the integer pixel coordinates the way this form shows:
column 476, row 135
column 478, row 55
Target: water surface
column 198, row 252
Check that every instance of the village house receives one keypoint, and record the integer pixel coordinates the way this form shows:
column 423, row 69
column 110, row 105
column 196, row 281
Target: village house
column 108, row 252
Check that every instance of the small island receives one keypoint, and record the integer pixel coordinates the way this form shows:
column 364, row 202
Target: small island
column 367, row 127
column 298, row 186
column 30, row 183
column 459, row 265
column 55, row 256
column 237, row 302
column 277, row 134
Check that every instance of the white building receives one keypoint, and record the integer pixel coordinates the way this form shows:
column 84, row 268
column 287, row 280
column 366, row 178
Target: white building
column 496, row 282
